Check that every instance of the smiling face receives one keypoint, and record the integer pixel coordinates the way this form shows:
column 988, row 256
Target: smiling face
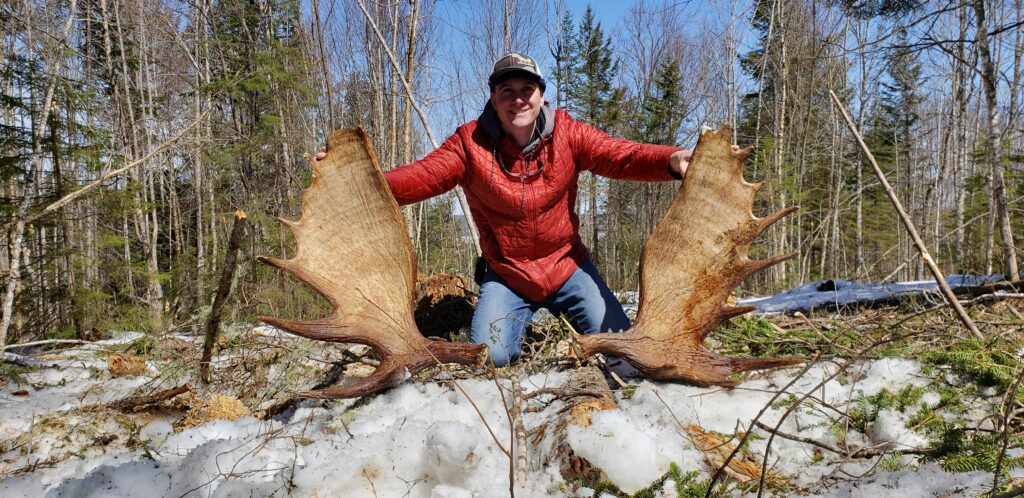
column 518, row 102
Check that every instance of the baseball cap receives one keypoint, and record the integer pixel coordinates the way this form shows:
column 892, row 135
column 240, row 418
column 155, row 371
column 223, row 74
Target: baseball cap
column 514, row 64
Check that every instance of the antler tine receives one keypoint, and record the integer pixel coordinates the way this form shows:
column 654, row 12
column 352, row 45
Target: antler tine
column 290, row 266
column 352, row 247
column 397, row 368
column 325, row 329
column 747, row 364
column 386, row 375
column 690, row 264
column 734, row 311
column 753, row 266
column 767, row 221
column 288, row 223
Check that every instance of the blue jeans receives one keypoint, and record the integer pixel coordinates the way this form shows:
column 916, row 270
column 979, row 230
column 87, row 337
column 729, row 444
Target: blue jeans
column 502, row 314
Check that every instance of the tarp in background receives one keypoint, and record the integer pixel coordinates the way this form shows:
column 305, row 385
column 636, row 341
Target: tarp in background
column 837, row 294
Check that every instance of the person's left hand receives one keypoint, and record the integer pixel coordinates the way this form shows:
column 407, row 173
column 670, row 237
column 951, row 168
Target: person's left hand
column 322, row 153
column 679, row 161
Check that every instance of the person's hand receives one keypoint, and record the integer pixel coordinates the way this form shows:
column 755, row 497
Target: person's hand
column 322, row 153
column 679, row 161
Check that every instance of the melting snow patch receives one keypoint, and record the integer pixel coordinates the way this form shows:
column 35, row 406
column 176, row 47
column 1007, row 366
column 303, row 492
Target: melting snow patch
column 425, row 440
column 928, row 480
column 630, row 457
column 890, row 428
column 888, row 373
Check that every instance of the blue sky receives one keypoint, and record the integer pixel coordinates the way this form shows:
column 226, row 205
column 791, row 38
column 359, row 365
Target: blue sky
column 606, row 11
column 458, row 82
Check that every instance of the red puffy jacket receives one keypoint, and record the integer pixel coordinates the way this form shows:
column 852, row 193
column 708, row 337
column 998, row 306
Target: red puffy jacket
column 529, row 229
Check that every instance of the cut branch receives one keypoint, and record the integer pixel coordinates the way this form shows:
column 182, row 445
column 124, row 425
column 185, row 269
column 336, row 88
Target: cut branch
column 227, row 275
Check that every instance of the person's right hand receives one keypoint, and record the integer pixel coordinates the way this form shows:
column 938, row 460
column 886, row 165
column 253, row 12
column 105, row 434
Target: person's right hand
column 322, row 153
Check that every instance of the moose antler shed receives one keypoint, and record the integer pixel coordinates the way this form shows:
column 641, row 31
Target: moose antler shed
column 352, row 247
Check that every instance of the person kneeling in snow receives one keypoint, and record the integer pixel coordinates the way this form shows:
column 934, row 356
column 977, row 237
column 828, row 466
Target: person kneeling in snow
column 519, row 164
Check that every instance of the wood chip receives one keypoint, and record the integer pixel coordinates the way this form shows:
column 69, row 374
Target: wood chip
column 717, row 449
column 121, row 365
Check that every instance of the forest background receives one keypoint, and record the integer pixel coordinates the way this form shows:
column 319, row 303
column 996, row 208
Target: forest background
column 131, row 132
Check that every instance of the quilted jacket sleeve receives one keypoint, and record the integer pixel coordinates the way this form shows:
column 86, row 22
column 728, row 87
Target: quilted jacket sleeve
column 435, row 174
column 599, row 153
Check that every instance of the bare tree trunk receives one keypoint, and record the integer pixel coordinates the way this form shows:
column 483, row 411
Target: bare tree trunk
column 393, row 98
column 324, row 64
column 837, row 190
column 17, row 237
column 155, row 293
column 859, row 266
column 1013, row 121
column 988, row 79
column 960, row 122
column 507, row 31
column 732, row 80
column 594, row 233
column 778, row 271
column 200, row 15
column 67, row 240
column 410, row 72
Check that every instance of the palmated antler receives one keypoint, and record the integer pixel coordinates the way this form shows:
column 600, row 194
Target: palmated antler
column 353, row 248
column 696, row 256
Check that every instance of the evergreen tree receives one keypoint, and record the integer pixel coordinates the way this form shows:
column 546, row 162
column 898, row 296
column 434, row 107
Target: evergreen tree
column 878, row 8
column 590, row 93
column 789, row 121
column 892, row 136
column 564, row 53
column 900, row 101
column 591, row 97
column 263, row 70
column 662, row 108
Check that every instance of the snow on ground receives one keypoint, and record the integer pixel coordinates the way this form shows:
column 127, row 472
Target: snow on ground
column 429, row 440
column 68, row 380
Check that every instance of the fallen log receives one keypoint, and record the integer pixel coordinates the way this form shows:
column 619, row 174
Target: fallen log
column 585, row 392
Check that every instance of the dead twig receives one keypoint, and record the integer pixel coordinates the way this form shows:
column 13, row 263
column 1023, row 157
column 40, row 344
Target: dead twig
column 520, row 449
column 1011, row 493
column 335, row 373
column 511, row 431
column 978, row 299
column 814, row 361
column 1008, row 402
column 865, row 452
